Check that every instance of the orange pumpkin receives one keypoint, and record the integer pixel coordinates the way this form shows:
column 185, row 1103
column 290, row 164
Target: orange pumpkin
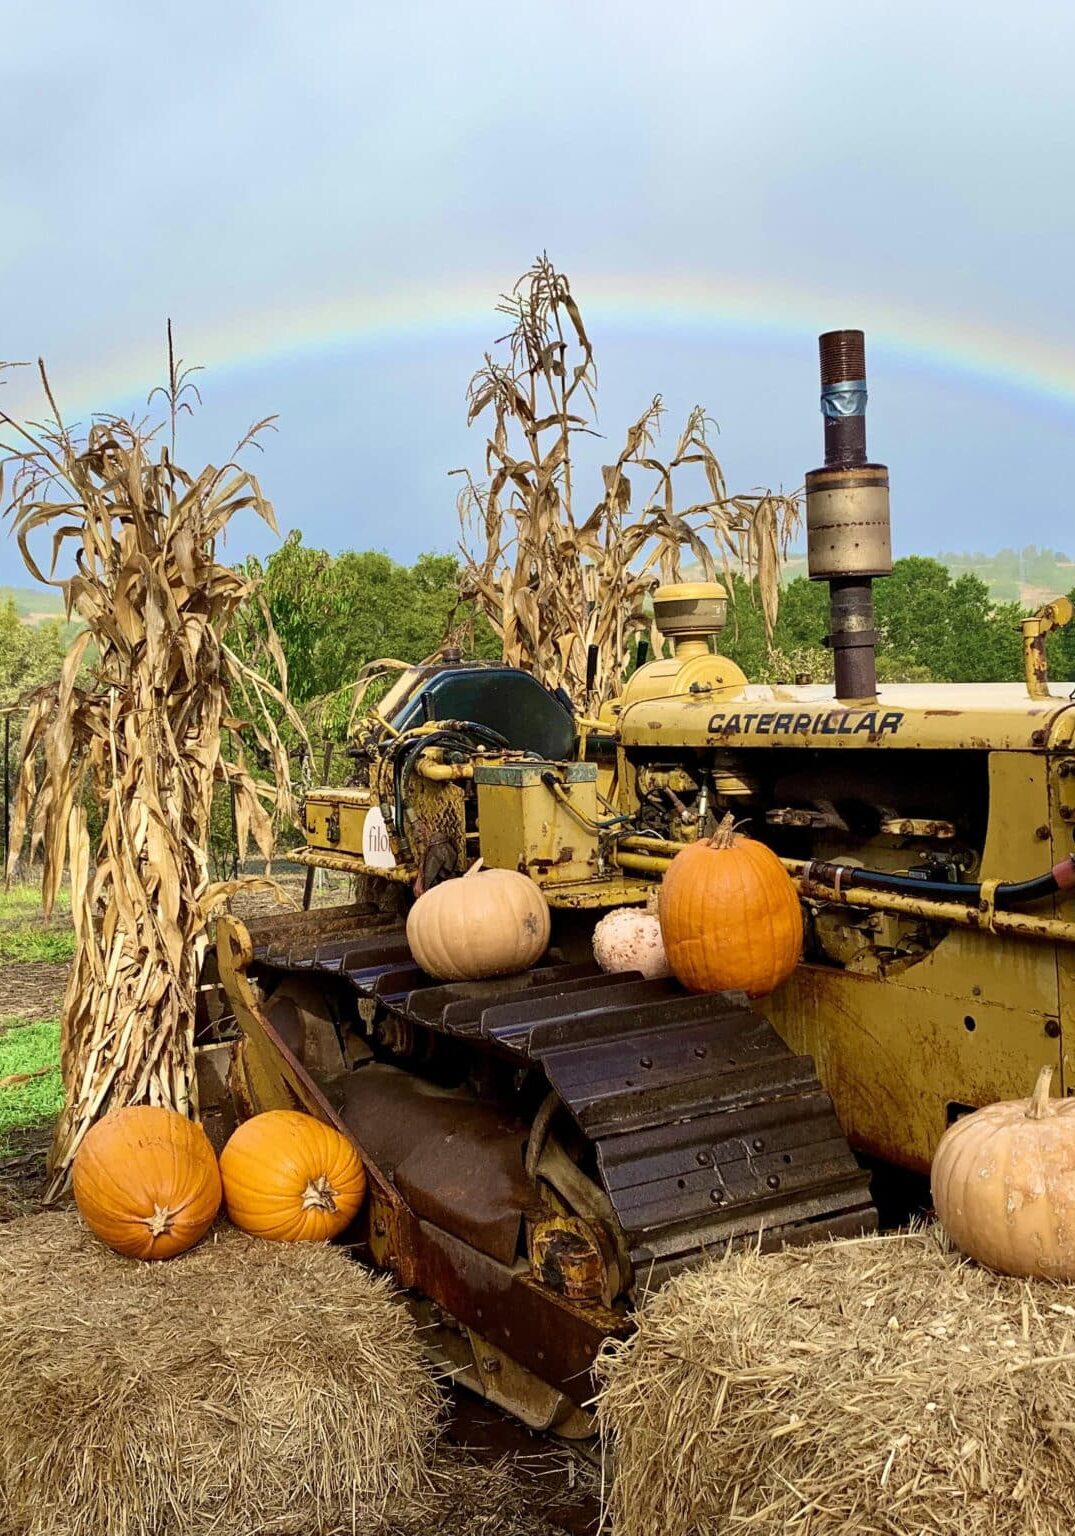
column 290, row 1178
column 146, row 1181
column 730, row 916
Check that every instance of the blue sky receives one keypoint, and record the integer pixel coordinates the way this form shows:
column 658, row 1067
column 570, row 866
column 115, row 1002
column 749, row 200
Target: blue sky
column 254, row 170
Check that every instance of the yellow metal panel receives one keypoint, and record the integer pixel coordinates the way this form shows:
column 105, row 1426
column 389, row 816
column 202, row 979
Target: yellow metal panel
column 1017, row 845
column 1061, row 824
column 334, row 824
column 894, row 1053
column 946, row 717
column 968, row 1023
column 676, row 675
column 523, row 826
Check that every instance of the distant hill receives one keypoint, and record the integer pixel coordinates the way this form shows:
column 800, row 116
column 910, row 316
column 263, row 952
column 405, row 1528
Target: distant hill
column 34, row 604
column 1029, row 576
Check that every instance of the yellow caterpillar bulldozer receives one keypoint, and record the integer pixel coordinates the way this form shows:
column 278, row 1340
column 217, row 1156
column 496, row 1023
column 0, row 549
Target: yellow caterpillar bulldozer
column 544, row 1148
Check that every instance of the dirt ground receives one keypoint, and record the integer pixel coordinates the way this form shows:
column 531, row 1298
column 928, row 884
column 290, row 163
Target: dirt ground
column 22, row 1173
column 31, row 989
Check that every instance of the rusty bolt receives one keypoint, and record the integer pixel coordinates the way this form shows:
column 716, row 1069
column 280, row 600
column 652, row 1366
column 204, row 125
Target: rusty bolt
column 1037, row 739
column 1052, row 1028
column 490, row 1366
column 1067, row 813
column 1042, row 834
column 379, row 1227
column 1066, row 768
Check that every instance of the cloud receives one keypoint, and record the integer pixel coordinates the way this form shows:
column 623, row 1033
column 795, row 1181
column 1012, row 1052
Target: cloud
column 233, row 165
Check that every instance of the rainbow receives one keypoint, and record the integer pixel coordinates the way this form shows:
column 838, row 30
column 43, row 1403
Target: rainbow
column 673, row 304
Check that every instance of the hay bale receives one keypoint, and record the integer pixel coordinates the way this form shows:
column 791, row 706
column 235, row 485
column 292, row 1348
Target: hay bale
column 878, row 1385
column 246, row 1387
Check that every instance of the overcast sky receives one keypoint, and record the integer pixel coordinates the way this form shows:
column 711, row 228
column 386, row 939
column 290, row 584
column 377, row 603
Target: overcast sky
column 327, row 197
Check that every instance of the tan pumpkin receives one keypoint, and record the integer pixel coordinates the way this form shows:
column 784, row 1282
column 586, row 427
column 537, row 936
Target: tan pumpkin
column 1003, row 1184
column 629, row 939
column 730, row 916
column 291, row 1178
column 146, row 1181
column 492, row 922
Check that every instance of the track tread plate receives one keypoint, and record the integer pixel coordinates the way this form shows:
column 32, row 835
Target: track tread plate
column 706, row 1126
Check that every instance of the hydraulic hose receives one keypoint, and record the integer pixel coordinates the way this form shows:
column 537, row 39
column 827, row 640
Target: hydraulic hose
column 1015, row 893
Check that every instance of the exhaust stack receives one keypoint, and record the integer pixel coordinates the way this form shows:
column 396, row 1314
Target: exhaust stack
column 848, row 537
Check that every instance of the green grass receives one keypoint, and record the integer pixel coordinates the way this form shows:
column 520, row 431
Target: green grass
column 35, row 945
column 25, row 901
column 26, row 936
column 26, row 1048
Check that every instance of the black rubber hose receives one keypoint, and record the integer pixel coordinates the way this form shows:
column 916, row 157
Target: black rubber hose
column 1015, row 893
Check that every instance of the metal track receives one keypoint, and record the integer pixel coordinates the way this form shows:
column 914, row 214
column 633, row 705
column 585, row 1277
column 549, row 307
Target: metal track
column 707, row 1128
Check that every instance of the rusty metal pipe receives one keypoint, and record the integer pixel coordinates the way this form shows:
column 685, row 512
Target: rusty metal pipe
column 642, row 863
column 1035, row 628
column 1021, row 925
column 643, row 844
column 847, row 520
column 843, row 360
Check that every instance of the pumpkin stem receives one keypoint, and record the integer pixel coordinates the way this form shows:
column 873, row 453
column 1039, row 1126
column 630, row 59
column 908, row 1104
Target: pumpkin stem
column 478, row 864
column 724, row 836
column 161, row 1220
column 1039, row 1106
column 319, row 1195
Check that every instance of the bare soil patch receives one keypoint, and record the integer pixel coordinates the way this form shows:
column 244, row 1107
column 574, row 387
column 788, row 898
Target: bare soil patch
column 23, row 1172
column 31, row 989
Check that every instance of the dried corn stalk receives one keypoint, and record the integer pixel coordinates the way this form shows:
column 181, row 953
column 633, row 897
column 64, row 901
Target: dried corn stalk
column 552, row 584
column 139, row 716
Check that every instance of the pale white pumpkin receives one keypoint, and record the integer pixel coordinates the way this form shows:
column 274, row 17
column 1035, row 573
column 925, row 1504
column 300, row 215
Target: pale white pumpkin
column 629, row 939
column 492, row 922
column 1003, row 1184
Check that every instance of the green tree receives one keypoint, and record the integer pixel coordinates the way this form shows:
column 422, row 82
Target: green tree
column 30, row 654
column 952, row 629
column 333, row 614
column 798, row 639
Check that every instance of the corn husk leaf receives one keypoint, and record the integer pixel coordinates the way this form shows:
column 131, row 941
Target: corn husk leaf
column 551, row 585
column 141, row 716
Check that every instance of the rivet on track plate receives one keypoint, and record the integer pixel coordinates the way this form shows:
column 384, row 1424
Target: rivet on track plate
column 702, row 1158
column 758, row 1144
column 699, row 1050
column 646, row 1061
column 773, row 1181
column 717, row 1196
